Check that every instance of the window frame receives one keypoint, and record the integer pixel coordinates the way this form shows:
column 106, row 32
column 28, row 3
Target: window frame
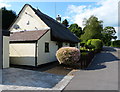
column 47, row 48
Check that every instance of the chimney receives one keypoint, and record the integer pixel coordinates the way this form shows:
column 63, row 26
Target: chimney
column 58, row 18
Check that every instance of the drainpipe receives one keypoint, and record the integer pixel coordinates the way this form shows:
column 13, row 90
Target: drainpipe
column 36, row 53
column 1, row 42
column 1, row 49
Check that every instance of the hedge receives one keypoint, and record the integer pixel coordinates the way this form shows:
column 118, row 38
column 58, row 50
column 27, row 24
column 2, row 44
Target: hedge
column 115, row 43
column 95, row 43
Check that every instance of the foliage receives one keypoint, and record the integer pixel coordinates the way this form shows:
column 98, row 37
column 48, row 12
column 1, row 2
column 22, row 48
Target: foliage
column 115, row 43
column 65, row 22
column 108, row 34
column 90, row 46
column 92, row 29
column 68, row 55
column 96, row 43
column 108, row 43
column 82, row 44
column 8, row 17
column 74, row 28
column 85, row 49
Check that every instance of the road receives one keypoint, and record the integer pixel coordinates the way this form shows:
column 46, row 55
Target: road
column 102, row 74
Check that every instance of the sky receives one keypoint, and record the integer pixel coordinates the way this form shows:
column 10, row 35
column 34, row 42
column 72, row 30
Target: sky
column 75, row 12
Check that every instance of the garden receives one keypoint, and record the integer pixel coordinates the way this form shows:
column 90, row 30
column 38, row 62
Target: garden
column 79, row 58
column 92, row 38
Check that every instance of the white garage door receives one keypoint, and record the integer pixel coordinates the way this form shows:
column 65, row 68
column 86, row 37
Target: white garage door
column 22, row 53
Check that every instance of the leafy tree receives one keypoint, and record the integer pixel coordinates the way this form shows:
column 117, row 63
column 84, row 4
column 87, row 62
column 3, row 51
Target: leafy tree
column 92, row 29
column 108, row 34
column 8, row 17
column 65, row 22
column 74, row 28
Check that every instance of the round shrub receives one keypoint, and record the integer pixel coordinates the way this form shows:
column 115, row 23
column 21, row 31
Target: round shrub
column 68, row 55
column 96, row 43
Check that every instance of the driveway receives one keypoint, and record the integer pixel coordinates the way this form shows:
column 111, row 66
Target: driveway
column 102, row 74
column 21, row 79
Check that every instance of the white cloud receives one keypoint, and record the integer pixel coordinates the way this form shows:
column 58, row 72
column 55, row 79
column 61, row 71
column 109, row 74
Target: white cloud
column 106, row 10
column 3, row 4
column 66, row 17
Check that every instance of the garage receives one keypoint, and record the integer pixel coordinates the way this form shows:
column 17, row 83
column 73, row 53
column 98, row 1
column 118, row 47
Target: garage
column 28, row 48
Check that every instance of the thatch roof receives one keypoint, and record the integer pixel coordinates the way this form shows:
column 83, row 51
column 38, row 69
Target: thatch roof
column 58, row 31
column 5, row 33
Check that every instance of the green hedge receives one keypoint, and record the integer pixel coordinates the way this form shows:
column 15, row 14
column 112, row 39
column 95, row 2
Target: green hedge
column 115, row 43
column 95, row 43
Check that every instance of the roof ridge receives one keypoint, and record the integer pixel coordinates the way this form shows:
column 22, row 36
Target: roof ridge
column 41, row 13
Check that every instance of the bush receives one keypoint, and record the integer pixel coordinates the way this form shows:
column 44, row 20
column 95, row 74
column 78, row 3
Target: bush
column 108, row 43
column 90, row 47
column 87, row 48
column 95, row 43
column 82, row 44
column 68, row 55
column 115, row 43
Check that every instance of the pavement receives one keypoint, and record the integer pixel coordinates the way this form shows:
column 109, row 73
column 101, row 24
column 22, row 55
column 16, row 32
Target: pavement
column 21, row 79
column 102, row 74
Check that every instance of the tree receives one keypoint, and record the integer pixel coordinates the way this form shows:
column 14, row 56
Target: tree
column 65, row 22
column 108, row 34
column 8, row 17
column 92, row 29
column 74, row 28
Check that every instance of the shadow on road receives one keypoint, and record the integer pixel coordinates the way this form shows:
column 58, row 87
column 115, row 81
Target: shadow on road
column 101, row 59
column 111, row 49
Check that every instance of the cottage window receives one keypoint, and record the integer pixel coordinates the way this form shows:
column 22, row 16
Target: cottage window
column 77, row 45
column 46, row 47
column 28, row 22
column 72, row 45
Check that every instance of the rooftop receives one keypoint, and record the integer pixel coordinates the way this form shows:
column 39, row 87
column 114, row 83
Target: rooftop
column 27, row 35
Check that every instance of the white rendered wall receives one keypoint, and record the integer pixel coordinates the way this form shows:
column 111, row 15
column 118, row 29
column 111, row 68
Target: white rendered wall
column 35, row 23
column 44, row 57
